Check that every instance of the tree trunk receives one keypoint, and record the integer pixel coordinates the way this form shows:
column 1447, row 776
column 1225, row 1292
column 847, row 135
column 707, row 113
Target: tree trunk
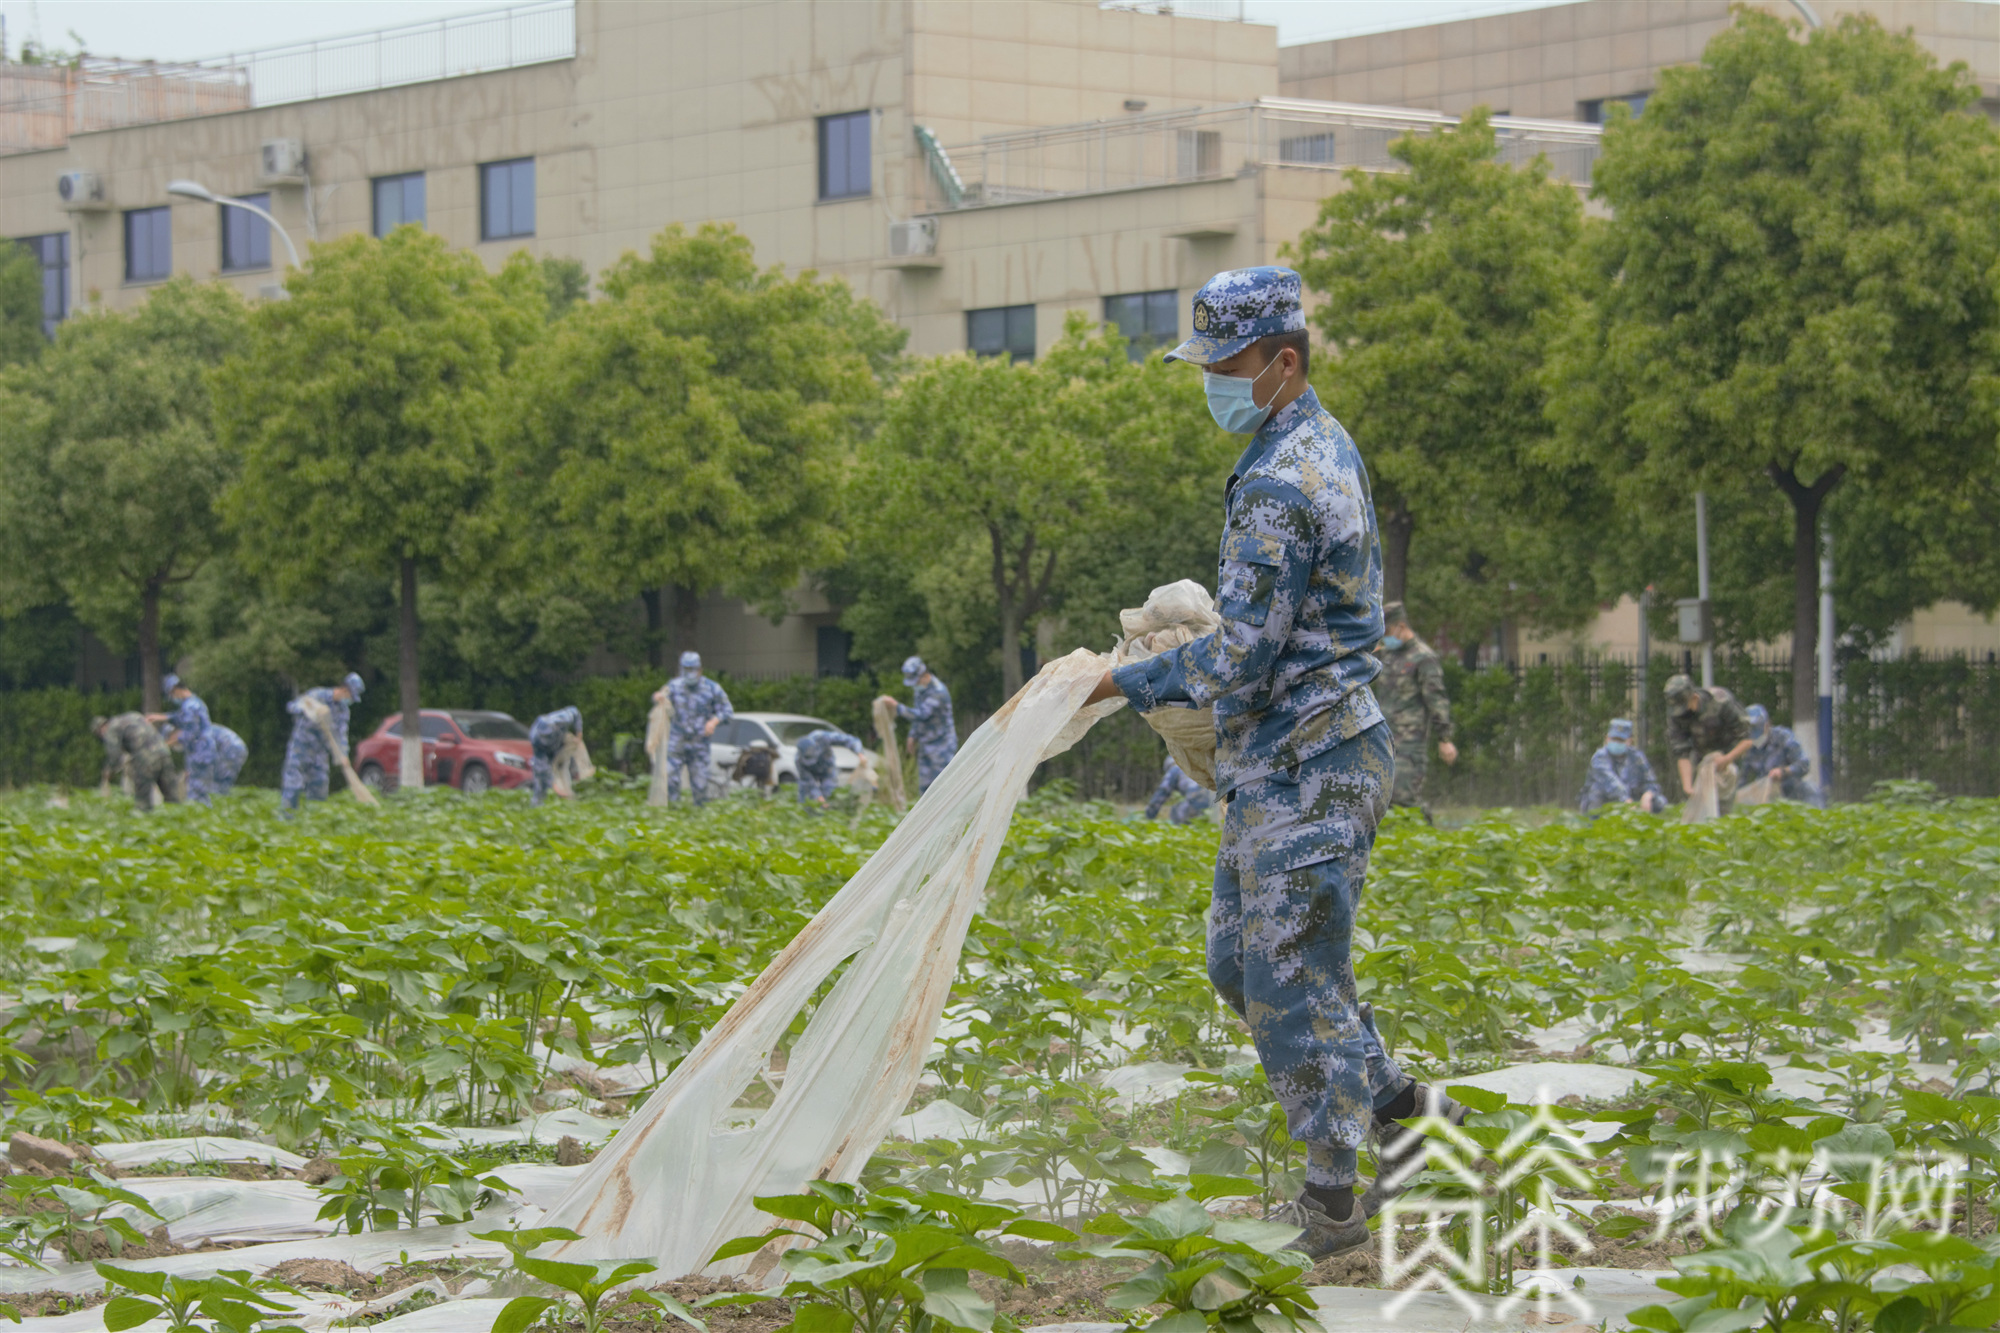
column 149, row 648
column 1010, row 618
column 1807, row 501
column 410, row 774
column 1397, row 525
column 687, row 619
column 656, row 647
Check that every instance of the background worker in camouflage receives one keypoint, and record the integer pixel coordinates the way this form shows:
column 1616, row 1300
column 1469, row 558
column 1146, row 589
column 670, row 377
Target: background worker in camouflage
column 700, row 706
column 1775, row 753
column 1302, row 756
column 1411, row 693
column 817, row 773
column 308, row 762
column 933, row 732
column 1620, row 774
column 1704, row 722
column 1194, row 800
column 230, row 752
column 132, row 745
column 195, row 732
column 545, row 741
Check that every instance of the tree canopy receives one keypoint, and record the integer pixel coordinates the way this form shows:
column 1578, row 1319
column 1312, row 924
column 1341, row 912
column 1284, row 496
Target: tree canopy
column 20, row 305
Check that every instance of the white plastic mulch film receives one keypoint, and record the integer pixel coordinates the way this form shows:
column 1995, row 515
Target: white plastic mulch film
column 680, row 1177
column 1175, row 614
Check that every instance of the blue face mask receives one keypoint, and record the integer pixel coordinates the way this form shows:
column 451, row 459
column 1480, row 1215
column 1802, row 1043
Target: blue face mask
column 1232, row 401
column 1616, row 747
column 1391, row 642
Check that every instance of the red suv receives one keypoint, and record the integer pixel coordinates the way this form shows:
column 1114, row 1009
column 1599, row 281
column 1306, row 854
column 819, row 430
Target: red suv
column 472, row 751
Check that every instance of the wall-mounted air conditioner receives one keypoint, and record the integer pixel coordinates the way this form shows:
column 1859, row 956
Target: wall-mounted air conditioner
column 281, row 160
column 914, row 239
column 81, row 191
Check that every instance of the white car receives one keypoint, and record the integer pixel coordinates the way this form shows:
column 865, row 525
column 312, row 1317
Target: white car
column 783, row 732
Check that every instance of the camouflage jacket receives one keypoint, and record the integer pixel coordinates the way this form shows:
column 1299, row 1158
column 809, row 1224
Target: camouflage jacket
column 1301, row 603
column 1780, row 748
column 131, row 734
column 815, row 750
column 932, row 726
column 1411, row 692
column 1617, row 778
column 545, row 734
column 1716, row 726
column 696, row 699
column 306, row 734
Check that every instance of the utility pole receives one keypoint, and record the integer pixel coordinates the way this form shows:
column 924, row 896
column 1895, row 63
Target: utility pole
column 1823, row 761
column 1701, row 589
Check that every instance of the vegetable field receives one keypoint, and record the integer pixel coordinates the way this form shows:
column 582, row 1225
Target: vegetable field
column 417, row 1020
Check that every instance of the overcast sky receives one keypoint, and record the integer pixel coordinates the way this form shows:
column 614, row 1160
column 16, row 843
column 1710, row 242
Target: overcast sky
column 191, row 29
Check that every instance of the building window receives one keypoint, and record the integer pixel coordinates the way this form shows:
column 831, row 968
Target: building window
column 1592, row 112
column 834, row 645
column 400, row 199
column 1199, row 152
column 843, row 155
column 149, row 244
column 246, row 238
column 52, row 253
column 1004, row 330
column 507, row 199
column 1308, row 149
column 1147, row 319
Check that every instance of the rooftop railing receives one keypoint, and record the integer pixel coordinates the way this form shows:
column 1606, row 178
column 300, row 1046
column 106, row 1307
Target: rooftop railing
column 1220, row 11
column 1172, row 147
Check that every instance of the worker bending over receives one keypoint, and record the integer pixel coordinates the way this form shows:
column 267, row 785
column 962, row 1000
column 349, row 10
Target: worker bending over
column 1775, row 753
column 817, row 773
column 1706, row 727
column 545, row 742
column 133, row 746
column 308, row 762
column 1620, row 774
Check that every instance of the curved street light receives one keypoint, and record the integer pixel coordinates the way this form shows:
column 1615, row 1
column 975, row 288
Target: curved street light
column 196, row 190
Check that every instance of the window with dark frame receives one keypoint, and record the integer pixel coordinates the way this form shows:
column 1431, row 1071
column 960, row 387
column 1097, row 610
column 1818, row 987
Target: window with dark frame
column 1594, row 111
column 507, row 199
column 149, row 244
column 398, row 199
column 51, row 251
column 1149, row 320
column 246, row 238
column 1005, row 330
column 843, row 155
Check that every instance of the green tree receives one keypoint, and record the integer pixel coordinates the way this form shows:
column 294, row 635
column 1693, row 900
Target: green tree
column 1795, row 290
column 111, row 467
column 689, row 431
column 20, row 305
column 364, row 408
column 1441, row 287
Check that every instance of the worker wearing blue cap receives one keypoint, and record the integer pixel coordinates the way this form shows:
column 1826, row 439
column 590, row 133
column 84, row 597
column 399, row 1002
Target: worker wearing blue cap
column 193, row 730
column 1775, row 753
column 1303, row 756
column 308, row 762
column 933, row 732
column 700, row 706
column 1620, row 774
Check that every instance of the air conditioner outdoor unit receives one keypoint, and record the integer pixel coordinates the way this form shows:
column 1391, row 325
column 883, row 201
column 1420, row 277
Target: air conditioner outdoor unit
column 914, row 239
column 281, row 160
column 81, row 191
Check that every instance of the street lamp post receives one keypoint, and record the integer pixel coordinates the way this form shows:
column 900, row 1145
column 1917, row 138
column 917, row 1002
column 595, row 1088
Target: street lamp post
column 196, row 190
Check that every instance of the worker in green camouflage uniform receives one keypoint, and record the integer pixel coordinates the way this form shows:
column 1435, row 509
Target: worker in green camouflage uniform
column 1411, row 693
column 1703, row 722
column 133, row 745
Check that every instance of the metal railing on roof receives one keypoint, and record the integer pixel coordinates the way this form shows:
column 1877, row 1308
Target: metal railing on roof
column 1220, row 11
column 1172, row 147
column 42, row 105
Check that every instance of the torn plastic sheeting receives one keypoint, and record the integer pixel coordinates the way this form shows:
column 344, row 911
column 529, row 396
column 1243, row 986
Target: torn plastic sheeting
column 939, row 1120
column 675, row 1183
column 546, row 1128
column 202, row 1208
column 200, row 1148
column 368, row 1252
column 538, row 1184
column 1144, row 1084
column 1547, row 1082
column 1368, row 1310
column 452, row 1317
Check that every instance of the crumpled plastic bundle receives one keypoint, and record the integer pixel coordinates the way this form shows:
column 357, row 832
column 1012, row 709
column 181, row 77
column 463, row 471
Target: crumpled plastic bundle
column 679, row 1178
column 572, row 765
column 1175, row 614
column 658, row 724
column 890, row 776
column 1714, row 783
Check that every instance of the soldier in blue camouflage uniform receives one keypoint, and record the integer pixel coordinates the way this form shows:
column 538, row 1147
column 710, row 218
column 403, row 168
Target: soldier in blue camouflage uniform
column 817, row 773
column 545, row 742
column 1194, row 797
column 195, row 733
column 1303, row 758
column 700, row 705
column 133, row 745
column 308, row 763
column 1620, row 774
column 1775, row 752
column 933, row 733
column 230, row 752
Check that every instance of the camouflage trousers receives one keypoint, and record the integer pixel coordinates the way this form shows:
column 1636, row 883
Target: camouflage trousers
column 1413, row 765
column 931, row 761
column 307, row 773
column 1190, row 808
column 153, row 773
column 541, row 776
column 693, row 755
column 230, row 752
column 815, row 783
column 1288, row 883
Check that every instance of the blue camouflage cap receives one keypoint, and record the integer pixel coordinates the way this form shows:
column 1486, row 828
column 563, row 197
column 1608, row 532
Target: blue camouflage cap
column 913, row 670
column 1620, row 729
column 1234, row 309
column 170, row 683
column 1757, row 715
column 690, row 660
column 353, row 684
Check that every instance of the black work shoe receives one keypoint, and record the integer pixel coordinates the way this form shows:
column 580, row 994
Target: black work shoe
column 1324, row 1236
column 1399, row 1150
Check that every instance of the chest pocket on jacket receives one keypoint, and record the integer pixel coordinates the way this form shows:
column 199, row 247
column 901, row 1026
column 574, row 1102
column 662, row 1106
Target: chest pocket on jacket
column 1250, row 562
